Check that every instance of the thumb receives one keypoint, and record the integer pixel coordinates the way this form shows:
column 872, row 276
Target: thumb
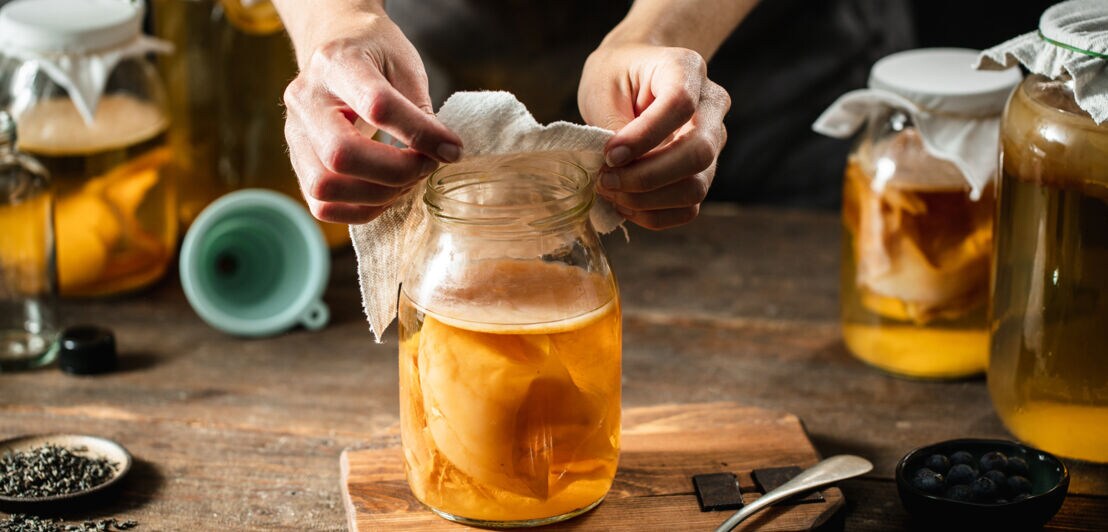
column 409, row 78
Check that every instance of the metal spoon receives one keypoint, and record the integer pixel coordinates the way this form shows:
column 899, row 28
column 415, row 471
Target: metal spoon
column 829, row 471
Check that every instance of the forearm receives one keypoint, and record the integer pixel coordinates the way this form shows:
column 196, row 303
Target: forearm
column 312, row 23
column 700, row 25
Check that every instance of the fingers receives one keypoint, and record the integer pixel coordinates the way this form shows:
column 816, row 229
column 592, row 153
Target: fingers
column 333, row 196
column 671, row 99
column 359, row 83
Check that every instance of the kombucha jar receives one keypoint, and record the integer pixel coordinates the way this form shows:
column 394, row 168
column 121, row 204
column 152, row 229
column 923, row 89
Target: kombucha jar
column 510, row 342
column 1048, row 373
column 918, row 206
column 231, row 63
column 90, row 108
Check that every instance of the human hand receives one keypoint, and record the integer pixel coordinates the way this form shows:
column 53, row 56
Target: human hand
column 668, row 119
column 363, row 69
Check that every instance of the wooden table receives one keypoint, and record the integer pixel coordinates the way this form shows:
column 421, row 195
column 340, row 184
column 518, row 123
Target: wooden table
column 738, row 306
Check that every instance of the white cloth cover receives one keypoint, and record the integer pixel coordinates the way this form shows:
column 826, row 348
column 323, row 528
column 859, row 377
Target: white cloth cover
column 1079, row 29
column 491, row 125
column 84, row 74
column 967, row 141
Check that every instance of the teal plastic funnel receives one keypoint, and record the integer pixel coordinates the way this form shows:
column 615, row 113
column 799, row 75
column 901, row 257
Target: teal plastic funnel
column 254, row 263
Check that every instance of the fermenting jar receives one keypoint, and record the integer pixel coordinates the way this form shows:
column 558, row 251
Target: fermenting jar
column 90, row 108
column 510, row 341
column 918, row 205
column 27, row 276
column 1048, row 375
column 231, row 63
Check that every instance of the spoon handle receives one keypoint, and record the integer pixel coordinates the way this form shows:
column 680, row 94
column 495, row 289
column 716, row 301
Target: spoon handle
column 829, row 471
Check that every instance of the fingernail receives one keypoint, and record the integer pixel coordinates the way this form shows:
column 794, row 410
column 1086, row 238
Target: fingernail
column 609, row 180
column 618, row 155
column 449, row 152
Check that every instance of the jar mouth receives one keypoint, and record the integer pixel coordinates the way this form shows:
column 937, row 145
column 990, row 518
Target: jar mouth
column 519, row 191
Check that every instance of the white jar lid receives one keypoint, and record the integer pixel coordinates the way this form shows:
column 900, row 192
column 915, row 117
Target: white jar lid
column 944, row 80
column 69, row 25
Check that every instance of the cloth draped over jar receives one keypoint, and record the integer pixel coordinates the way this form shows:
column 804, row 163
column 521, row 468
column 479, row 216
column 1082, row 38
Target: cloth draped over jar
column 494, row 127
column 1070, row 43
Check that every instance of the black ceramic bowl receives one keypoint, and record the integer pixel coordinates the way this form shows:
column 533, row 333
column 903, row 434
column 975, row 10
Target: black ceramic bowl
column 1049, row 482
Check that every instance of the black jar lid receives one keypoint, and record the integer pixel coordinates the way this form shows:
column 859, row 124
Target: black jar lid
column 86, row 350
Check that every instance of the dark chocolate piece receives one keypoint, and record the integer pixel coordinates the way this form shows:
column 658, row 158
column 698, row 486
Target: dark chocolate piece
column 770, row 478
column 717, row 491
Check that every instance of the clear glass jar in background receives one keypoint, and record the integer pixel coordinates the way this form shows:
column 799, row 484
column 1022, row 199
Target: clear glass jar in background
column 28, row 286
column 915, row 257
column 115, row 214
column 510, row 342
column 918, row 207
column 1048, row 374
column 226, row 79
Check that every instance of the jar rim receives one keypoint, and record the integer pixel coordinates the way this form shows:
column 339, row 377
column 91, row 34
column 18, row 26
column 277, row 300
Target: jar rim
column 518, row 191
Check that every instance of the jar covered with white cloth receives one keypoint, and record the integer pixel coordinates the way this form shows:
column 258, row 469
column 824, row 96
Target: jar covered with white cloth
column 918, row 208
column 90, row 107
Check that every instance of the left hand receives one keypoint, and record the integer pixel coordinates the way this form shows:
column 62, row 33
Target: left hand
column 668, row 119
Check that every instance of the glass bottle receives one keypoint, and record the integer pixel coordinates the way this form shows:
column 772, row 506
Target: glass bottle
column 226, row 80
column 115, row 214
column 1048, row 373
column 510, row 342
column 27, row 276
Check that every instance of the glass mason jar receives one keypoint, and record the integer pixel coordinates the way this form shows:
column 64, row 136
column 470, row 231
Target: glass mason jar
column 1048, row 373
column 28, row 286
column 915, row 256
column 115, row 215
column 510, row 342
column 226, row 77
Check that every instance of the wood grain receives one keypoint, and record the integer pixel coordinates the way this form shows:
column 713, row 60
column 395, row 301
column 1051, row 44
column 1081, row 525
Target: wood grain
column 662, row 448
column 739, row 306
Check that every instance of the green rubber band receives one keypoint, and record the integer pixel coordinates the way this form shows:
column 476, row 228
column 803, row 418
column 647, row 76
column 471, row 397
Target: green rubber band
column 1089, row 53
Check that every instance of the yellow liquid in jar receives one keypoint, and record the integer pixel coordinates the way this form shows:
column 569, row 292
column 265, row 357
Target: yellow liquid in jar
column 115, row 218
column 1048, row 375
column 506, row 419
column 914, row 278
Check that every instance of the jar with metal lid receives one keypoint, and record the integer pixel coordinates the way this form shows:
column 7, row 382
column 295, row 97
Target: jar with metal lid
column 918, row 206
column 510, row 342
column 28, row 285
column 225, row 80
column 1048, row 373
column 90, row 108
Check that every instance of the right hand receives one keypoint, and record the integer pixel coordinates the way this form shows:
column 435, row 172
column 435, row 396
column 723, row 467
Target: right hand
column 366, row 70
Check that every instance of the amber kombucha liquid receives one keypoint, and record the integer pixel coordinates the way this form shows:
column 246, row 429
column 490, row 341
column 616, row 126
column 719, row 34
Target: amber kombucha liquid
column 1049, row 371
column 510, row 395
column 914, row 277
column 115, row 219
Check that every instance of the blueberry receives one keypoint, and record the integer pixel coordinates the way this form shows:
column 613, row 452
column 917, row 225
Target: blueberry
column 998, row 478
column 994, row 460
column 1018, row 466
column 960, row 474
column 1018, row 485
column 982, row 489
column 928, row 481
column 962, row 457
column 960, row 492
column 938, row 463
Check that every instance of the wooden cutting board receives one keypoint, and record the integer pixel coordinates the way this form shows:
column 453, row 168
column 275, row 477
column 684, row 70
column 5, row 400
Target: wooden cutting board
column 662, row 448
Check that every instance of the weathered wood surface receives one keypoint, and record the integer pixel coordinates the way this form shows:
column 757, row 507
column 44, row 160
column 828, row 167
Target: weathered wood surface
column 739, row 306
column 662, row 448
